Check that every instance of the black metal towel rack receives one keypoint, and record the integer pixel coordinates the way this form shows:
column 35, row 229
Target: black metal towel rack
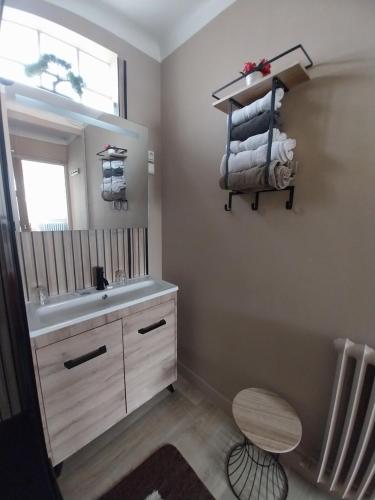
column 276, row 83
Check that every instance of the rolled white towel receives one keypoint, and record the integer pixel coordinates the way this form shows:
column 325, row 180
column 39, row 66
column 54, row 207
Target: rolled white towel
column 280, row 151
column 107, row 165
column 116, row 185
column 110, row 181
column 283, row 150
column 255, row 141
column 264, row 104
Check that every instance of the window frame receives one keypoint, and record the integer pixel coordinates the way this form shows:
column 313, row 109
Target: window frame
column 112, row 67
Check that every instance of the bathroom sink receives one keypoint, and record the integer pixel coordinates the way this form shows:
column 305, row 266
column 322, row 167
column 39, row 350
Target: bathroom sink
column 71, row 308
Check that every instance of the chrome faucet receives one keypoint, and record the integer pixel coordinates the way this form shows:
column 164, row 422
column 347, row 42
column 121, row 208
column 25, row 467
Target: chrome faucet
column 101, row 281
column 42, row 295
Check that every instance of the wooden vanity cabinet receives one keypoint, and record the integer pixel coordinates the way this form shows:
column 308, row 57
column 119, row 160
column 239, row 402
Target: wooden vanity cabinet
column 92, row 374
column 83, row 388
column 150, row 353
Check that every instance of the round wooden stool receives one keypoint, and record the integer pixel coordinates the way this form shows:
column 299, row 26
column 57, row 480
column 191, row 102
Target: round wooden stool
column 270, row 426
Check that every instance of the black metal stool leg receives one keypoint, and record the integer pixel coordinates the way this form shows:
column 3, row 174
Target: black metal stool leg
column 254, row 474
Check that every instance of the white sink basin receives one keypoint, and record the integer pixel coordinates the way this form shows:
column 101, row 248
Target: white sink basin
column 71, row 308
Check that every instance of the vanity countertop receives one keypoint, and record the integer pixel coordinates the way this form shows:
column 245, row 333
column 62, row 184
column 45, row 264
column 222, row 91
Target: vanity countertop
column 66, row 310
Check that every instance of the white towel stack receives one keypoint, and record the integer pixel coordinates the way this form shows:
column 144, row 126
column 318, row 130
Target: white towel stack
column 252, row 153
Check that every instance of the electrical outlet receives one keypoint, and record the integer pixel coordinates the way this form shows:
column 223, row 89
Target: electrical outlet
column 151, row 157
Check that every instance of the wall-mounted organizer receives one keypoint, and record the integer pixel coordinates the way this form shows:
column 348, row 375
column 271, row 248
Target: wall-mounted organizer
column 114, row 182
column 285, row 79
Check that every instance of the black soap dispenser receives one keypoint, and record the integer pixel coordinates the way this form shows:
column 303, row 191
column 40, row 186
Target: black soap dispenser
column 101, row 282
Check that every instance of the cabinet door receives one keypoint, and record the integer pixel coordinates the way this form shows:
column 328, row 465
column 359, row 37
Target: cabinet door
column 150, row 353
column 83, row 390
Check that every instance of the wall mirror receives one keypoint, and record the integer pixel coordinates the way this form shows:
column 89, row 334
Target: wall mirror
column 73, row 167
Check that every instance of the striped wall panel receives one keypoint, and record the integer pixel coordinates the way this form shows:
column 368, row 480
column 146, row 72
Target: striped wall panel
column 63, row 261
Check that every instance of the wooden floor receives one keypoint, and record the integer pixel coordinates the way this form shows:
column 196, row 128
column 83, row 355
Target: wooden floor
column 201, row 431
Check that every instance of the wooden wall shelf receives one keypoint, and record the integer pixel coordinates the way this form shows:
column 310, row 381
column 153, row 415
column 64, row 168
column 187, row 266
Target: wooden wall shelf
column 290, row 76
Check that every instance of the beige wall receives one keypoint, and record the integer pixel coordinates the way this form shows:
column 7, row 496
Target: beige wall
column 143, row 79
column 264, row 294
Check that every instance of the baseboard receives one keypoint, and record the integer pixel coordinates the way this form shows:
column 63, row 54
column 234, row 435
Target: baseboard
column 212, row 394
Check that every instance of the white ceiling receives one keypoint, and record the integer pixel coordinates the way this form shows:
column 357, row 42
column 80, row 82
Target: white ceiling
column 156, row 16
column 157, row 27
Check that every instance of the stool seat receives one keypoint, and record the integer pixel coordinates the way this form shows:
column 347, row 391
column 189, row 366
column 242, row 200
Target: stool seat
column 267, row 420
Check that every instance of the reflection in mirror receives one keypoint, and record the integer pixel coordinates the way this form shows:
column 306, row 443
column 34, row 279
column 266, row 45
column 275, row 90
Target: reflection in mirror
column 74, row 168
column 32, row 196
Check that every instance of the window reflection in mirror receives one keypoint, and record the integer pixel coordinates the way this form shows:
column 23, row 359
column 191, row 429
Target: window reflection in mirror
column 44, row 206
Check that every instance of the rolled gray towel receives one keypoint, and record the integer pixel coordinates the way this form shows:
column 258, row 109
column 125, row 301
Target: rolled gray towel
column 257, row 125
column 255, row 179
column 113, row 172
column 112, row 196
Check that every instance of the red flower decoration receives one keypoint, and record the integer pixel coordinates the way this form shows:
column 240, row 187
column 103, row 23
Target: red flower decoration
column 266, row 67
column 248, row 67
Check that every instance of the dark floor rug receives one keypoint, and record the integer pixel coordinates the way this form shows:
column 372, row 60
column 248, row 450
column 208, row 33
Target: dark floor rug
column 165, row 472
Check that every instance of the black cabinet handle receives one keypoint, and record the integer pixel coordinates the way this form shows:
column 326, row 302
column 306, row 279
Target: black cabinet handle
column 86, row 357
column 147, row 329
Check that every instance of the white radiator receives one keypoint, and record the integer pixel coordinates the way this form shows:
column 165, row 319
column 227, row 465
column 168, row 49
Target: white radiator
column 347, row 462
column 54, row 226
